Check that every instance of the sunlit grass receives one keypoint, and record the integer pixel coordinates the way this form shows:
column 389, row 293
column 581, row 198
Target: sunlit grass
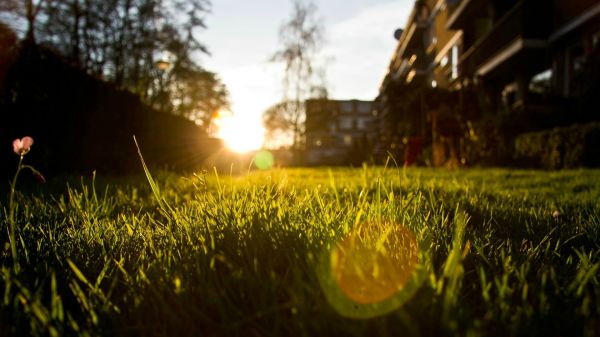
column 244, row 255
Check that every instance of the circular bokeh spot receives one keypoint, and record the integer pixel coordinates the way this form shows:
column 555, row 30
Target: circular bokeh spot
column 371, row 267
column 372, row 270
column 264, row 160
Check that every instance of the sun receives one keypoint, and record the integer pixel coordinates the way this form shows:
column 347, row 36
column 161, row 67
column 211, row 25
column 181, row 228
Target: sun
column 240, row 134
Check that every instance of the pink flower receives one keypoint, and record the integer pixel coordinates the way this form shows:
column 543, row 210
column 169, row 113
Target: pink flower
column 22, row 146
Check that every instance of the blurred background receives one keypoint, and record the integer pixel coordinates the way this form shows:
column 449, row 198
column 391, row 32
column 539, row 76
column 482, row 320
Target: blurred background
column 442, row 83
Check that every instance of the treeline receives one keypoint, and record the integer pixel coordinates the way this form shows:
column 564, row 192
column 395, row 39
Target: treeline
column 147, row 47
column 81, row 123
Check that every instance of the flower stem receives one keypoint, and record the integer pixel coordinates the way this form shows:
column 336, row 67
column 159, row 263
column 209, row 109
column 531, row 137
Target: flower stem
column 11, row 218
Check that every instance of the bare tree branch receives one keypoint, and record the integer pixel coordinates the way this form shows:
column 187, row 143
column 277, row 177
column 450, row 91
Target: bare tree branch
column 301, row 38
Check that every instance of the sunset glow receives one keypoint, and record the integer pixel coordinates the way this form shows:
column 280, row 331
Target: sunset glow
column 239, row 134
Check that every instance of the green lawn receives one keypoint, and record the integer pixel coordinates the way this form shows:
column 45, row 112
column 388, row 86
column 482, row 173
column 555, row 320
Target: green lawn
column 307, row 252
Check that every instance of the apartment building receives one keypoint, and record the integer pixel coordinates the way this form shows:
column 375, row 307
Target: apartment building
column 459, row 60
column 418, row 100
column 339, row 132
column 513, row 45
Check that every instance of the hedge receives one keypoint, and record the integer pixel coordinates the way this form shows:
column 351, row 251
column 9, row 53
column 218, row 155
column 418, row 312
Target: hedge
column 567, row 147
column 82, row 124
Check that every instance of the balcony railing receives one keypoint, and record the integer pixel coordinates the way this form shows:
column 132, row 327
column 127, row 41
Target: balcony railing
column 459, row 11
column 522, row 21
column 504, row 31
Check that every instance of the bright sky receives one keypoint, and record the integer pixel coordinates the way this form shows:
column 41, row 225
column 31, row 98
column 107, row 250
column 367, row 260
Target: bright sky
column 242, row 35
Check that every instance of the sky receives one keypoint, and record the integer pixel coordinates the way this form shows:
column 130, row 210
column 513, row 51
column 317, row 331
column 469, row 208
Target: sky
column 242, row 35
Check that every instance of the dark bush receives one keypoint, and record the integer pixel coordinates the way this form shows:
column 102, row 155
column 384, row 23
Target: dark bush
column 81, row 124
column 568, row 147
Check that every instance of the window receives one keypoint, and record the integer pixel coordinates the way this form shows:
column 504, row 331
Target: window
column 429, row 38
column 454, row 60
column 595, row 39
column 346, row 123
column 412, row 59
column 575, row 65
column 347, row 107
column 542, row 82
column 332, row 127
column 422, row 12
column 449, row 64
column 347, row 140
column 364, row 107
column 509, row 95
column 410, row 76
column 444, row 61
column 362, row 124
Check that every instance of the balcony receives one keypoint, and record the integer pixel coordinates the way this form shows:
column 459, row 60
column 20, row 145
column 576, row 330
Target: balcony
column 413, row 39
column 523, row 27
column 461, row 11
column 570, row 10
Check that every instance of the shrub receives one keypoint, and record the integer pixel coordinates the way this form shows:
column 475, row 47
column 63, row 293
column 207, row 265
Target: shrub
column 485, row 143
column 567, row 147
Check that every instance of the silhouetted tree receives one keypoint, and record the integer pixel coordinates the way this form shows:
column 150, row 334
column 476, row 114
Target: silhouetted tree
column 197, row 94
column 281, row 121
column 121, row 40
column 27, row 10
column 8, row 40
column 125, row 41
column 301, row 38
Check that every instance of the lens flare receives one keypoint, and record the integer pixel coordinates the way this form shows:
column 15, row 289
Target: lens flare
column 264, row 160
column 373, row 270
column 370, row 270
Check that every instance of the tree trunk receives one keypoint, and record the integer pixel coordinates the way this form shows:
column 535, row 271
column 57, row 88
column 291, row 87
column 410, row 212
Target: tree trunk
column 75, row 39
column 30, row 15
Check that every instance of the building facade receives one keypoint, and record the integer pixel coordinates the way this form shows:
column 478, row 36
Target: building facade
column 422, row 75
column 339, row 132
column 458, row 62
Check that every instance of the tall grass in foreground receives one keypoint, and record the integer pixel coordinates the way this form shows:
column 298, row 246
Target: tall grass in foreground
column 512, row 253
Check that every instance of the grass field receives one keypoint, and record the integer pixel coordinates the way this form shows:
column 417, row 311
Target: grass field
column 307, row 252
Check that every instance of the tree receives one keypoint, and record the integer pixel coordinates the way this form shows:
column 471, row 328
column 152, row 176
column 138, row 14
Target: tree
column 8, row 40
column 197, row 94
column 124, row 41
column 280, row 120
column 301, row 38
column 28, row 10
